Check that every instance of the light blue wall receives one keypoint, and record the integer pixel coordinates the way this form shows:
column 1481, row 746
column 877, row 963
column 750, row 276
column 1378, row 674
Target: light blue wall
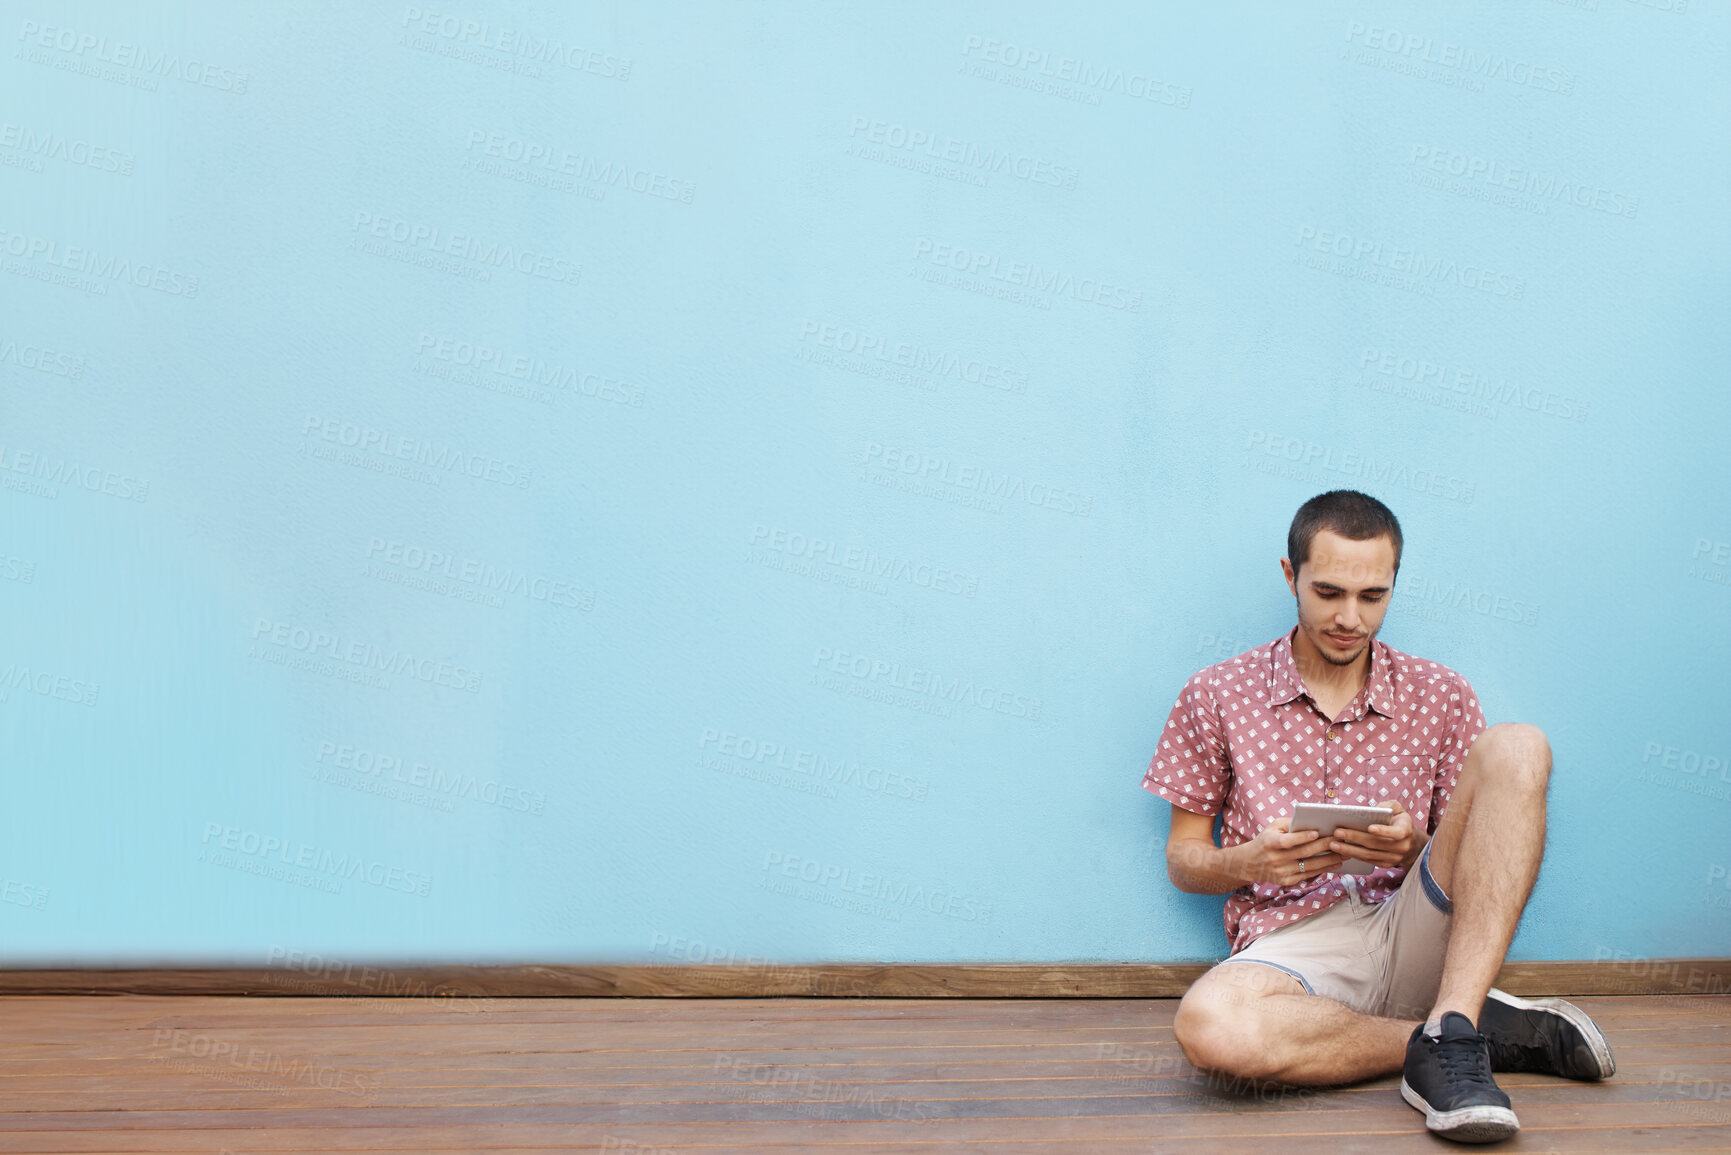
column 814, row 273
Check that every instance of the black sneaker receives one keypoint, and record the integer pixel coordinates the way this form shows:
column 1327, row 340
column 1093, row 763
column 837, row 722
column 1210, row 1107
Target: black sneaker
column 1449, row 1079
column 1548, row 1036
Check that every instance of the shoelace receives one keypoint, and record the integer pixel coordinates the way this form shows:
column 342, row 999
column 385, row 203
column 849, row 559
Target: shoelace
column 1464, row 1061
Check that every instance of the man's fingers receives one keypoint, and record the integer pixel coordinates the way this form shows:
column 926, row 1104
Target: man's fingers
column 1297, row 838
column 1310, row 866
column 1371, row 837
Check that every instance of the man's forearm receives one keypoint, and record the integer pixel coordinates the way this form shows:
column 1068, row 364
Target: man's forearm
column 1198, row 867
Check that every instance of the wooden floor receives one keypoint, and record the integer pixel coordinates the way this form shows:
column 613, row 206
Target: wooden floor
column 790, row 1076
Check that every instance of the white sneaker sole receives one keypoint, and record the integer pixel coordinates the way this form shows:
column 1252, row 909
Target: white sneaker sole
column 1576, row 1018
column 1487, row 1124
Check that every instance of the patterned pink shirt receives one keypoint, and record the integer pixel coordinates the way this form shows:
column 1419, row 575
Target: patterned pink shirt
column 1245, row 733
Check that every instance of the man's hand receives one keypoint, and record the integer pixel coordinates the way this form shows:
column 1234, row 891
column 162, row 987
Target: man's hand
column 1392, row 843
column 1282, row 857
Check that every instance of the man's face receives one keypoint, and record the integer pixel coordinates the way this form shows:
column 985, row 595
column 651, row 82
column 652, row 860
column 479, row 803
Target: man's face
column 1343, row 590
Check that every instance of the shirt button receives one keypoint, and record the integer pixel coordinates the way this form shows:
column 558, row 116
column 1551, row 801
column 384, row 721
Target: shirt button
column 1328, row 793
column 1333, row 735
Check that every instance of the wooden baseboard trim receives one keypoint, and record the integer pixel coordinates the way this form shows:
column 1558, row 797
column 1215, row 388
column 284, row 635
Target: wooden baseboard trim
column 1693, row 977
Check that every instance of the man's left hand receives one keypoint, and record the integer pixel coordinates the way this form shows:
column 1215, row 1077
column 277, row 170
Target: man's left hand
column 1391, row 843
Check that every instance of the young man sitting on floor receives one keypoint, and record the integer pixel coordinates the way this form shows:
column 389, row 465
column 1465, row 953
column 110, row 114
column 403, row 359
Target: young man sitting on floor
column 1336, row 977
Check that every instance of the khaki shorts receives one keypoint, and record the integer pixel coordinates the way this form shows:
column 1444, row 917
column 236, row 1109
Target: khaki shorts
column 1381, row 958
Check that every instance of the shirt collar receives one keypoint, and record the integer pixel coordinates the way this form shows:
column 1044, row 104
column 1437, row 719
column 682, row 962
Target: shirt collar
column 1284, row 684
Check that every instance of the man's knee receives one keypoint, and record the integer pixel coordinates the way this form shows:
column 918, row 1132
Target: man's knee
column 1521, row 752
column 1221, row 1028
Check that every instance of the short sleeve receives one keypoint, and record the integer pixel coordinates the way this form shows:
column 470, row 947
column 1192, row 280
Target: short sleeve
column 1190, row 768
column 1466, row 723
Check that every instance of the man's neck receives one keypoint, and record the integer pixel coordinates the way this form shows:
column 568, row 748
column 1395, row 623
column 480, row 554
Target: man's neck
column 1330, row 686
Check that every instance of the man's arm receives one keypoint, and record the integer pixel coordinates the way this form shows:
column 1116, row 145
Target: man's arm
column 1193, row 863
column 1197, row 866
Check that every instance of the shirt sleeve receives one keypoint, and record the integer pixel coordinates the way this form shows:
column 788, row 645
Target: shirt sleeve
column 1467, row 723
column 1190, row 768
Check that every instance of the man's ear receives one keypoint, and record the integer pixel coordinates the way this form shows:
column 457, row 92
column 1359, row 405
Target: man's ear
column 1291, row 575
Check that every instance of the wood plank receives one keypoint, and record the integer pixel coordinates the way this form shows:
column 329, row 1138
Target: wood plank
column 1033, row 1093
column 1602, row 1101
column 1599, row 1141
column 279, row 1131
column 1702, row 976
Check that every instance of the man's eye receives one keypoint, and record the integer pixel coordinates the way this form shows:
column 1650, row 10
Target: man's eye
column 1373, row 597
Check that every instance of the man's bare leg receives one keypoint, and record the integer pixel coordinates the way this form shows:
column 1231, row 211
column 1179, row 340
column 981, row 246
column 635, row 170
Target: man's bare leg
column 1485, row 856
column 1255, row 1021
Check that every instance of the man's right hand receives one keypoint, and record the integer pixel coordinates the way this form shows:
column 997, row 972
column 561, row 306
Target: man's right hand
column 1276, row 853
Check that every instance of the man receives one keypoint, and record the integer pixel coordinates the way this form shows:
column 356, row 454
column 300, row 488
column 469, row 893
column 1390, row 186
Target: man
column 1336, row 977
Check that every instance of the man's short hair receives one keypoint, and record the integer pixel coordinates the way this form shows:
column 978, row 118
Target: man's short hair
column 1353, row 515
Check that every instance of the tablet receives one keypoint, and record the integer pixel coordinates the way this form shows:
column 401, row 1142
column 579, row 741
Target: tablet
column 1324, row 817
